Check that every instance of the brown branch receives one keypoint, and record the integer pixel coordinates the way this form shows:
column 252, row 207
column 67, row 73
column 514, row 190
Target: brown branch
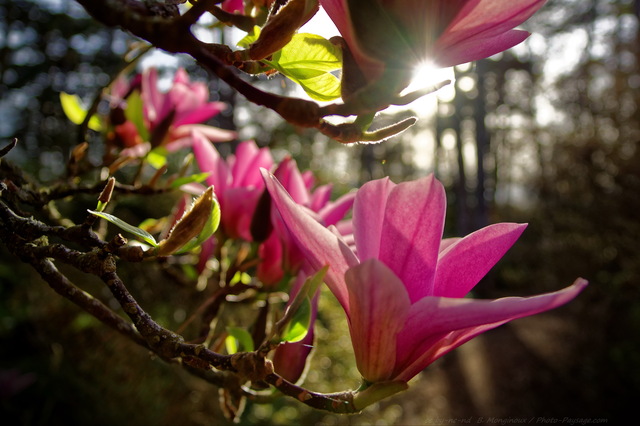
column 61, row 284
column 28, row 239
column 336, row 402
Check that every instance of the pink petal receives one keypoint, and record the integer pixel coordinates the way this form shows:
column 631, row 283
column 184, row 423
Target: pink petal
column 436, row 325
column 332, row 213
column 490, row 17
column 269, row 270
column 320, row 197
column 309, row 179
column 446, row 242
column 464, row 263
column 412, row 232
column 290, row 177
column 237, row 207
column 199, row 114
column 214, row 134
column 248, row 161
column 379, row 305
column 181, row 77
column 368, row 216
column 151, row 96
column 477, row 48
column 483, row 28
column 209, row 160
column 319, row 245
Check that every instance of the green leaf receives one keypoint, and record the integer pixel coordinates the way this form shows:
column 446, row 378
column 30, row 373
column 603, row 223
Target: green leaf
column 284, row 327
column 324, row 87
column 308, row 60
column 240, row 277
column 238, row 339
column 76, row 113
column 231, row 343
column 198, row 177
column 298, row 327
column 249, row 38
column 157, row 158
column 140, row 233
column 134, row 113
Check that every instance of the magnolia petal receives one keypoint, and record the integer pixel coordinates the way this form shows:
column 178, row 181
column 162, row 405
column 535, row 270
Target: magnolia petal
column 483, row 28
column 248, row 161
column 319, row 245
column 463, row 264
column 214, row 134
column 209, row 160
column 436, row 325
column 239, row 207
column 332, row 213
column 290, row 177
column 269, row 270
column 379, row 305
column 412, row 232
column 309, row 179
column 491, row 17
column 476, row 48
column 151, row 97
column 320, row 197
column 200, row 114
column 368, row 216
column 446, row 242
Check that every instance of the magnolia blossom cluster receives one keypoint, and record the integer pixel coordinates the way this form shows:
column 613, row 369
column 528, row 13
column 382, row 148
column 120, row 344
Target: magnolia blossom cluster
column 143, row 117
column 239, row 187
column 401, row 285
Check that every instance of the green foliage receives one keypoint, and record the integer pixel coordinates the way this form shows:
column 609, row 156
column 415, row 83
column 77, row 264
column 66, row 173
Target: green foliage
column 308, row 60
column 298, row 327
column 72, row 107
column 178, row 243
column 140, row 233
column 197, row 178
column 238, row 340
column 134, row 113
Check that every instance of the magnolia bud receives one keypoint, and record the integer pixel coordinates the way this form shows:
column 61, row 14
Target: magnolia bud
column 189, row 226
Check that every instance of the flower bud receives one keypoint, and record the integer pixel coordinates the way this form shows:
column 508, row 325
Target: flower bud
column 189, row 226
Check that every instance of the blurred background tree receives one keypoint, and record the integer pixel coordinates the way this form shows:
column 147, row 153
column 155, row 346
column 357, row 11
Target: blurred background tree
column 546, row 133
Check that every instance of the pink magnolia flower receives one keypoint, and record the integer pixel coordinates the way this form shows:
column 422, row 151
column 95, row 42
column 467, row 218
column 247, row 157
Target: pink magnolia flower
column 169, row 118
column 280, row 253
column 179, row 112
column 381, row 33
column 236, row 180
column 403, row 287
